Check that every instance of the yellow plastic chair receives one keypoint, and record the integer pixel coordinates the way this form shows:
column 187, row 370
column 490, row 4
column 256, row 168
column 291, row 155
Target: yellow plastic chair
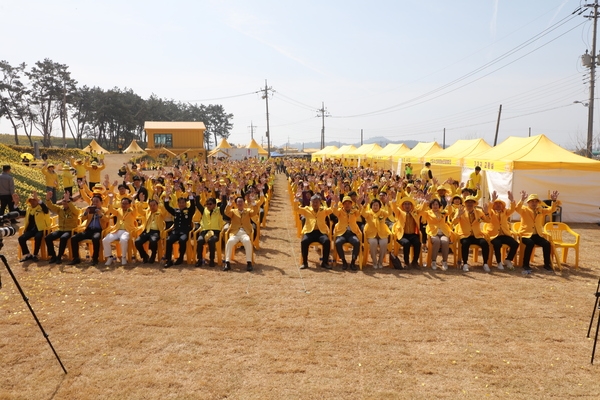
column 556, row 230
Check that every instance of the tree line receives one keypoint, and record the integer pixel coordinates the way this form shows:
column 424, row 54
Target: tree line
column 34, row 99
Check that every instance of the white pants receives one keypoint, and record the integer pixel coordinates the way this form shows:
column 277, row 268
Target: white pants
column 122, row 236
column 240, row 236
column 373, row 242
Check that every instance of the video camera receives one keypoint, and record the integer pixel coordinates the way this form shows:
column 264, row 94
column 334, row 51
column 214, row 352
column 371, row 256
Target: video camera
column 6, row 229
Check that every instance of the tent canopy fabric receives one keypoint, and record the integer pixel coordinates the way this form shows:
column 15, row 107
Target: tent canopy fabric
column 388, row 157
column 448, row 162
column 254, row 145
column 339, row 153
column 325, row 151
column 224, row 144
column 133, row 148
column 94, row 146
column 536, row 152
column 418, row 153
column 219, row 153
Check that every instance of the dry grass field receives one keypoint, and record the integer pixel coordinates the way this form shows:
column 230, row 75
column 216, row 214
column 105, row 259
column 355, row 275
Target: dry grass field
column 143, row 332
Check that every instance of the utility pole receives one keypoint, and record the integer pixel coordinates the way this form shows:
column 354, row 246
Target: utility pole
column 498, row 123
column 529, row 131
column 590, row 62
column 265, row 96
column 323, row 113
column 361, row 137
column 252, row 130
column 444, row 140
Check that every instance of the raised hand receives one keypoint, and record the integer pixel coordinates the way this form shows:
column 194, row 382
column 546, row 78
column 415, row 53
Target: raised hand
column 49, row 195
column 495, row 195
column 510, row 196
column 554, row 195
column 523, row 195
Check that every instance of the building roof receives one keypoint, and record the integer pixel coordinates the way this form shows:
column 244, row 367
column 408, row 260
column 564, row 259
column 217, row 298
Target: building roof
column 174, row 125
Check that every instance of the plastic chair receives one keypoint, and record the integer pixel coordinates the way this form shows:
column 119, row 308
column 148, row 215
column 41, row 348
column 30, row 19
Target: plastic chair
column 365, row 251
column 454, row 250
column 557, row 214
column 556, row 230
column 43, row 249
column 398, row 248
column 521, row 253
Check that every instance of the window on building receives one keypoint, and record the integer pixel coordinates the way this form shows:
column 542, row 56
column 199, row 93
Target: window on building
column 163, row 140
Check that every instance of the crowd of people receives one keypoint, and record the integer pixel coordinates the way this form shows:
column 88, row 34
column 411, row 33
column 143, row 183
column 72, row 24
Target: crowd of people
column 372, row 208
column 190, row 201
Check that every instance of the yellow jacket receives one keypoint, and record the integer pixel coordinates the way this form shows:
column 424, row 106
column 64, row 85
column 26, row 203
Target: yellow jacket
column 67, row 179
column 436, row 223
column 125, row 219
column 346, row 220
column 95, row 174
column 375, row 223
column 42, row 219
column 157, row 217
column 51, row 177
column 531, row 219
column 315, row 219
column 239, row 219
column 499, row 222
column 464, row 227
column 67, row 219
column 400, row 224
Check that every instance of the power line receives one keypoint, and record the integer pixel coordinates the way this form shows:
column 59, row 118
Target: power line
column 222, row 98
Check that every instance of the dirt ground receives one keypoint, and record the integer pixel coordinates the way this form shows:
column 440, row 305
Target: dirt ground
column 143, row 332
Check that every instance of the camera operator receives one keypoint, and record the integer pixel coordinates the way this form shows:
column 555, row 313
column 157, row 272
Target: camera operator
column 95, row 220
column 7, row 190
column 68, row 219
column 37, row 221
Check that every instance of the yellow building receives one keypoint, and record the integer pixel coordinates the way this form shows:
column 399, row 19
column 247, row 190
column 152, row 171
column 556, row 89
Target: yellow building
column 172, row 139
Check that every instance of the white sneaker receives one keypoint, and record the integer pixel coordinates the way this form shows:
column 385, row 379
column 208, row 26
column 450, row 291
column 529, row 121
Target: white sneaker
column 486, row 268
column 509, row 264
column 109, row 261
column 123, row 260
column 501, row 266
column 444, row 266
column 466, row 267
column 380, row 266
column 434, row 265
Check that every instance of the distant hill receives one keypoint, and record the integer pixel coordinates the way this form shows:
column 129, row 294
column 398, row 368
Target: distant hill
column 382, row 141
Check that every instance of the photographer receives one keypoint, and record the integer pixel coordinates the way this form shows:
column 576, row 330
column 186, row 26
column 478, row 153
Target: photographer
column 7, row 190
column 95, row 220
column 37, row 221
column 68, row 219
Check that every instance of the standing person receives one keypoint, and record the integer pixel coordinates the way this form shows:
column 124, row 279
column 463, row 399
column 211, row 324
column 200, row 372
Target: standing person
column 51, row 179
column 532, row 226
column 426, row 174
column 80, row 169
column 315, row 229
column 139, row 188
column 239, row 230
column 468, row 221
column 7, row 190
column 499, row 230
column 95, row 172
column 211, row 221
column 347, row 231
column 68, row 219
column 474, row 182
column 182, row 225
column 95, row 219
column 37, row 221
column 67, row 179
column 408, row 171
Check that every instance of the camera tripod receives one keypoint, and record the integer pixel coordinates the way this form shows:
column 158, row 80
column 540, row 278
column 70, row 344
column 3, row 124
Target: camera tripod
column 597, row 294
column 26, row 299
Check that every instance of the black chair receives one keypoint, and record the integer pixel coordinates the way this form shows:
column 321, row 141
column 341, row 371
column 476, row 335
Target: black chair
column 557, row 214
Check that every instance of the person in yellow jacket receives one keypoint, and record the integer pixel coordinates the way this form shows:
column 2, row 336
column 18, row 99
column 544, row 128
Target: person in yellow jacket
column 406, row 229
column 347, row 231
column 467, row 221
column 532, row 226
column 239, row 230
column 37, row 221
column 125, row 225
column 95, row 172
column 154, row 223
column 498, row 230
column 376, row 231
column 211, row 223
column 80, row 169
column 315, row 229
column 68, row 219
column 438, row 231
column 51, row 179
column 68, row 180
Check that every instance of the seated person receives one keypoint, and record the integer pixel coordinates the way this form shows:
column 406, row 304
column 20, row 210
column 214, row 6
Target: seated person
column 468, row 221
column 315, row 229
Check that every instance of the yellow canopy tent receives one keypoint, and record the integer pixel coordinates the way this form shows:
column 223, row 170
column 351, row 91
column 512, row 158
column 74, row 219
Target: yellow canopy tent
column 416, row 156
column 95, row 147
column 219, row 152
column 133, row 148
column 253, row 145
column 537, row 165
column 358, row 156
column 322, row 154
column 339, row 153
column 224, row 144
column 448, row 162
column 388, row 157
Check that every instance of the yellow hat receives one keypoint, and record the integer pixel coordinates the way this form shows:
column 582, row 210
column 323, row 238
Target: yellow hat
column 533, row 197
column 347, row 198
column 94, row 164
column 66, row 166
column 471, row 198
column 408, row 200
column 441, row 187
column 50, row 165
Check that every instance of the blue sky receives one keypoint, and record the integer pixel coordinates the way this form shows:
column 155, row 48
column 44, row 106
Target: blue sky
column 387, row 67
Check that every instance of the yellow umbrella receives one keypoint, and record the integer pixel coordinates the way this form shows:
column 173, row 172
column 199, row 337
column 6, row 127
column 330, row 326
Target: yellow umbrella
column 27, row 156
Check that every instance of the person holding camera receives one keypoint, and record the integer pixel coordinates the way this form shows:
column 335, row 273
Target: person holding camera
column 95, row 220
column 68, row 219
